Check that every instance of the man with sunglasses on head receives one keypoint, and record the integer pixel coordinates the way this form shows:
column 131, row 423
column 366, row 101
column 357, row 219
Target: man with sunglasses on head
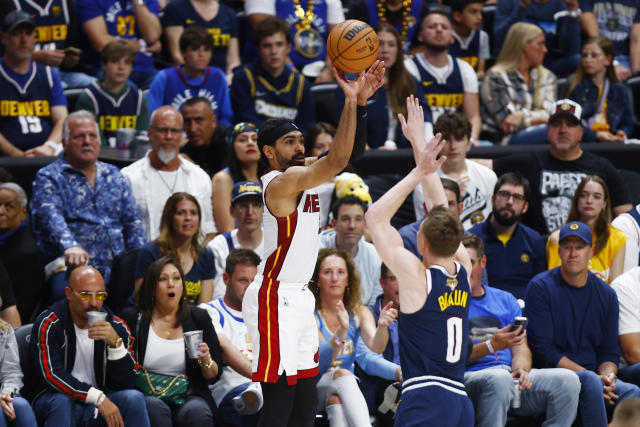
column 162, row 172
column 516, row 252
column 84, row 372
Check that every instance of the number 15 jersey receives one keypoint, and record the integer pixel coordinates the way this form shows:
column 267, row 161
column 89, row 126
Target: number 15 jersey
column 434, row 340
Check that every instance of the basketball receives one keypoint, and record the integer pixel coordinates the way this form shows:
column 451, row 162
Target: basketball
column 352, row 46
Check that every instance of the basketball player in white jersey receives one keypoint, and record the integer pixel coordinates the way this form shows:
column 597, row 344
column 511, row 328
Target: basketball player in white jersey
column 278, row 307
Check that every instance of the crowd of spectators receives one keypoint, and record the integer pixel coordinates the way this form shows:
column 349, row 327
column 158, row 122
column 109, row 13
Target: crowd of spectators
column 551, row 234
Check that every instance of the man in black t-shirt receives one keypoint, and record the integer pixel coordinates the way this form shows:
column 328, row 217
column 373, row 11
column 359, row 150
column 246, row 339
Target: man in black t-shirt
column 555, row 175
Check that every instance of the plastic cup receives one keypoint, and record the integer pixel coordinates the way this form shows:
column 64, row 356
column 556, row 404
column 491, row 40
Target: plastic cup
column 124, row 138
column 192, row 340
column 92, row 316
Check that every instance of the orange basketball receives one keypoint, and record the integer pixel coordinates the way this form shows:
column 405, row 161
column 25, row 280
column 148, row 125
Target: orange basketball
column 352, row 46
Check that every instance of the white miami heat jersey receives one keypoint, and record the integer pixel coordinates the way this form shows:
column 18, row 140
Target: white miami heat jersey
column 291, row 243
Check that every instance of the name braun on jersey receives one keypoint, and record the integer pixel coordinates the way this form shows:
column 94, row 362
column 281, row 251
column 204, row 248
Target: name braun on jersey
column 457, row 297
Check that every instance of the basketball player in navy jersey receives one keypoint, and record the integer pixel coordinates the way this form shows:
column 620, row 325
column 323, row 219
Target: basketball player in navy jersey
column 433, row 324
column 278, row 307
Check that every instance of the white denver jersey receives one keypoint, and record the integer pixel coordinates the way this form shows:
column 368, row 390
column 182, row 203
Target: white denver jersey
column 291, row 243
column 230, row 323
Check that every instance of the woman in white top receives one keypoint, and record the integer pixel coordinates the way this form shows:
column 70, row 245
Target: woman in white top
column 159, row 326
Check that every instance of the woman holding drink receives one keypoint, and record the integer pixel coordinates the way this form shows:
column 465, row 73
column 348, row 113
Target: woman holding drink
column 163, row 327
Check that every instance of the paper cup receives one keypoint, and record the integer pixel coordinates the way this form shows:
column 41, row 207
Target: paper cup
column 124, row 138
column 192, row 340
column 92, row 316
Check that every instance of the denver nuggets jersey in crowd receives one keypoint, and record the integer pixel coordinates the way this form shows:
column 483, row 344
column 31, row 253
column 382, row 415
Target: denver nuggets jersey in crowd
column 52, row 22
column 442, row 97
column 434, row 348
column 25, row 108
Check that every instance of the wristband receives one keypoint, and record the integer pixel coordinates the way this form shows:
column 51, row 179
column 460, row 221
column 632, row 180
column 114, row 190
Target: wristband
column 208, row 365
column 143, row 45
column 139, row 3
column 57, row 148
column 98, row 403
column 491, row 349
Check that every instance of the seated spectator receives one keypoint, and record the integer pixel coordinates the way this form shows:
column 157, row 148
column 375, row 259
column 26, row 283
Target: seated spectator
column 383, row 128
column 605, row 102
column 518, row 91
column 629, row 224
column 318, row 140
column 591, row 206
column 404, row 16
column 247, row 207
column 175, row 174
column 136, row 23
column 470, row 42
column 237, row 397
column 116, row 103
column 33, row 103
column 554, row 175
column 214, row 16
column 560, row 21
column 619, row 21
column 82, row 209
column 490, row 377
column 159, row 347
column 244, row 158
column 628, row 292
column 16, row 410
column 57, row 37
column 573, row 324
column 409, row 232
column 206, row 138
column 19, row 251
column 268, row 88
column 181, row 239
column 343, row 321
column 195, row 77
column 310, row 23
column 517, row 252
column 373, row 386
column 347, row 234
column 476, row 181
column 449, row 84
column 84, row 371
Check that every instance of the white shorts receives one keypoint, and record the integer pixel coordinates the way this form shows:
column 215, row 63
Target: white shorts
column 282, row 329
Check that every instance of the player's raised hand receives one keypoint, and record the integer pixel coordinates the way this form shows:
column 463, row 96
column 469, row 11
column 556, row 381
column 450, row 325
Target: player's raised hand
column 413, row 124
column 387, row 315
column 428, row 161
column 373, row 80
column 349, row 87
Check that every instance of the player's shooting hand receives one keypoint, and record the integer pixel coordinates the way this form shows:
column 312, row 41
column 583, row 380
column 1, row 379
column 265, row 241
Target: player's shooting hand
column 525, row 379
column 503, row 338
column 413, row 125
column 428, row 161
column 373, row 80
column 387, row 315
column 349, row 87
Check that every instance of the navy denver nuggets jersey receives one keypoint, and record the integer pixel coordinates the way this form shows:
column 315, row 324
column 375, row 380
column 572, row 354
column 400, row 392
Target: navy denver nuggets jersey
column 52, row 22
column 305, row 50
column 25, row 111
column 434, row 340
column 446, row 97
column 413, row 18
column 114, row 114
column 470, row 51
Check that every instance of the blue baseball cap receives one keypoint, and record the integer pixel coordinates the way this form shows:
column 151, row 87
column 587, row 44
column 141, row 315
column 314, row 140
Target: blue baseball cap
column 578, row 229
column 245, row 188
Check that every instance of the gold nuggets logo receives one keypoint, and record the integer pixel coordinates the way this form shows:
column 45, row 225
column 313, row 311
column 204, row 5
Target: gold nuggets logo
column 573, row 226
column 56, row 11
column 524, row 258
column 452, row 282
column 249, row 188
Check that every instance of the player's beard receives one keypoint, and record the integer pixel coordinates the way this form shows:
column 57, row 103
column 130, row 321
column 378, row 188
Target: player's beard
column 295, row 160
column 506, row 220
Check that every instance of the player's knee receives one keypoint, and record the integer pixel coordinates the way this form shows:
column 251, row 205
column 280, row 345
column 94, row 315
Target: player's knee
column 333, row 399
column 341, row 373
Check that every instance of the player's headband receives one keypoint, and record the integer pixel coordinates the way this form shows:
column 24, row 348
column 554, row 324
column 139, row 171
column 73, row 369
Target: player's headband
column 270, row 136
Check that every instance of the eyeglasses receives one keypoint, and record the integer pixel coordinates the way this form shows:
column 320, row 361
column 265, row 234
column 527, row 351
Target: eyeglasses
column 165, row 131
column 506, row 195
column 594, row 55
column 86, row 295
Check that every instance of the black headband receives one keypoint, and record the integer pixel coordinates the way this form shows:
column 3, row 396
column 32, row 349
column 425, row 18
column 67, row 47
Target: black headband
column 270, row 136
